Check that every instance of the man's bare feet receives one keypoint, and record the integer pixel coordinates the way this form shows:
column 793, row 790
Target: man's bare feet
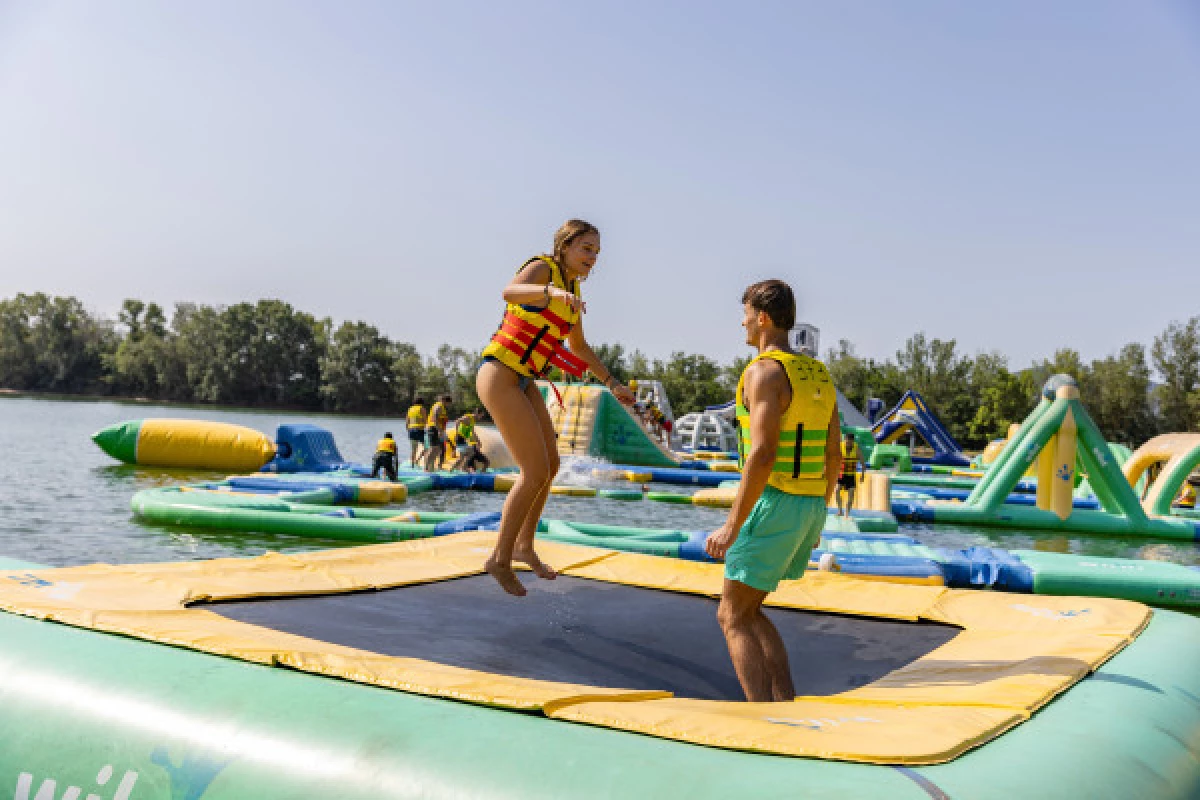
column 504, row 575
column 540, row 568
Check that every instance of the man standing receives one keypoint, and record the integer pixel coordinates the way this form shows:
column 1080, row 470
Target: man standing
column 788, row 432
column 435, row 434
column 848, row 481
column 416, row 429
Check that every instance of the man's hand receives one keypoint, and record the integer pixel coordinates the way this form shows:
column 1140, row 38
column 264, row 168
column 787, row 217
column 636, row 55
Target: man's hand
column 719, row 541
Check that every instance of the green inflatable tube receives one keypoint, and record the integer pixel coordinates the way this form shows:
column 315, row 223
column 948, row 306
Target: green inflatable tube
column 669, row 497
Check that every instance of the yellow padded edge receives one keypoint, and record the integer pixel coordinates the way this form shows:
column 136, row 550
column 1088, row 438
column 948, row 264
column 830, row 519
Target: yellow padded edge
column 1015, row 654
column 717, row 497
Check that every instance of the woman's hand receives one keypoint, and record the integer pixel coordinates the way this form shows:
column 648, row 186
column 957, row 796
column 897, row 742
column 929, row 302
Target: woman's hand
column 622, row 393
column 574, row 301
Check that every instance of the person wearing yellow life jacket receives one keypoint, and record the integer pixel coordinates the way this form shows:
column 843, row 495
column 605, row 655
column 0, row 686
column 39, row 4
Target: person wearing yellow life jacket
column 848, row 480
column 467, row 446
column 542, row 316
column 435, row 433
column 1187, row 496
column 416, row 429
column 788, row 430
column 385, row 458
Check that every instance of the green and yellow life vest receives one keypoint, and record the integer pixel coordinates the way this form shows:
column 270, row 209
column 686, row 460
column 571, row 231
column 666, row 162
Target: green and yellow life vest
column 800, row 457
column 466, row 429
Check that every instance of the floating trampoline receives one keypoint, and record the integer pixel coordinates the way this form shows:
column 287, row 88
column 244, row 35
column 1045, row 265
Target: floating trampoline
column 574, row 630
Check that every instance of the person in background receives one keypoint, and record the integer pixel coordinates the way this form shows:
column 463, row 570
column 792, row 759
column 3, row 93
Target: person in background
column 848, row 480
column 435, row 434
column 667, row 427
column 385, row 458
column 788, row 419
column 1187, row 495
column 468, row 446
column 416, row 429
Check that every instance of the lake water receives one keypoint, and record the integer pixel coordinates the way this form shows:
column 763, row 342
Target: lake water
column 64, row 502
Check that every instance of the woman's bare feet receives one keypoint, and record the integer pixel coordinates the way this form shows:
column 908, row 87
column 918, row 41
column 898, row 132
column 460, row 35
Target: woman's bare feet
column 504, row 575
column 540, row 568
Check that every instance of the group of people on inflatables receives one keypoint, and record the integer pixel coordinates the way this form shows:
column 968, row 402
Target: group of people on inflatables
column 428, row 439
column 790, row 437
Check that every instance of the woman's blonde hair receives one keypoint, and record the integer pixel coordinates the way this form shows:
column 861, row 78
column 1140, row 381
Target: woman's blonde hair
column 570, row 230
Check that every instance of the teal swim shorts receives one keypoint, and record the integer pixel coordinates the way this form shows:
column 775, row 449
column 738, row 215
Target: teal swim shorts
column 776, row 541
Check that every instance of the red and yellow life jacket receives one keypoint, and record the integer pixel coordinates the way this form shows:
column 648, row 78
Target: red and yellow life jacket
column 530, row 339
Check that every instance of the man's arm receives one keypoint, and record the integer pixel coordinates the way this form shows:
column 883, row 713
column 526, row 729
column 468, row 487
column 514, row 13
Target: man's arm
column 765, row 394
column 833, row 455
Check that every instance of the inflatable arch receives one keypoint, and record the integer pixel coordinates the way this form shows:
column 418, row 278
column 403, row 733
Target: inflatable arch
column 1176, row 455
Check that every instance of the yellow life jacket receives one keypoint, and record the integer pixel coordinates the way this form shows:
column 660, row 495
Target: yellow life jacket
column 416, row 416
column 437, row 417
column 386, row 446
column 800, row 457
column 465, row 429
column 529, row 339
column 849, row 458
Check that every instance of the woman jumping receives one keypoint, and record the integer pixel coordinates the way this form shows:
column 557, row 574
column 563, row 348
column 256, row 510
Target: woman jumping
column 544, row 310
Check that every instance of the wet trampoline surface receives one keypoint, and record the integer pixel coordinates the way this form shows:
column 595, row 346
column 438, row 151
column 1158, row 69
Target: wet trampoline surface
column 590, row 632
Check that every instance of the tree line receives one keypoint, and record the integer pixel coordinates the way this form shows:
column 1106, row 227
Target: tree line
column 271, row 354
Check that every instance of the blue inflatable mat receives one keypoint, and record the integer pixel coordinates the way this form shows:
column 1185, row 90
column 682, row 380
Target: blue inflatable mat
column 471, row 522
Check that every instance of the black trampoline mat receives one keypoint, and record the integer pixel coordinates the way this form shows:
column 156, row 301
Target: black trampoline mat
column 589, row 632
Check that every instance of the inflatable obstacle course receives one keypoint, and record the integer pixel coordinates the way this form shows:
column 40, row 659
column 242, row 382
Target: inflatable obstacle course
column 1056, row 436
column 912, row 415
column 1170, row 458
column 185, row 443
column 589, row 421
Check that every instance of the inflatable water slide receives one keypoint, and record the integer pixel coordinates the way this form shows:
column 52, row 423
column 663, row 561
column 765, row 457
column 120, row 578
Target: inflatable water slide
column 912, row 414
column 589, row 421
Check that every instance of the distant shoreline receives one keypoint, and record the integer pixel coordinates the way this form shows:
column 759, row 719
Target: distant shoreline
column 146, row 401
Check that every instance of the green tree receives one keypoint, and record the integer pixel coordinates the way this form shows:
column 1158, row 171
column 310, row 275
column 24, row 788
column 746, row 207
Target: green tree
column 200, row 372
column 408, row 371
column 65, row 349
column 356, row 370
column 1005, row 398
column 612, row 356
column 690, row 381
column 1176, row 356
column 1066, row 361
column 452, row 371
column 144, row 356
column 1116, row 393
column 934, row 368
column 18, row 365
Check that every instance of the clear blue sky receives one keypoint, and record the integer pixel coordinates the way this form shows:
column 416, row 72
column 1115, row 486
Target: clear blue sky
column 1015, row 175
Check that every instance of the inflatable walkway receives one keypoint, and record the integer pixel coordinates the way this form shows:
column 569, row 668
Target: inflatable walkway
column 912, row 414
column 591, row 422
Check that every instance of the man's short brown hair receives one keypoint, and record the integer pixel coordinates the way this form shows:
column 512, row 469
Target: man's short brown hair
column 776, row 299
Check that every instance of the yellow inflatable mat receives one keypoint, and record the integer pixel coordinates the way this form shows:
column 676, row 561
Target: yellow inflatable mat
column 1006, row 656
